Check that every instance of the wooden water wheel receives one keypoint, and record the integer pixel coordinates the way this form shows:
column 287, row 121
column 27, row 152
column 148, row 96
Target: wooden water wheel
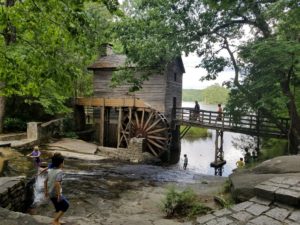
column 145, row 123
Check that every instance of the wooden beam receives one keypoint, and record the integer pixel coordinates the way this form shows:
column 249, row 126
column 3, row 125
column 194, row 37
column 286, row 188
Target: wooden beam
column 112, row 102
column 119, row 127
column 101, row 130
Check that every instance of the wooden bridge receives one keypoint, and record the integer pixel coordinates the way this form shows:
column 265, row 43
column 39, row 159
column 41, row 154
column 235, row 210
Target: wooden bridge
column 253, row 125
column 247, row 124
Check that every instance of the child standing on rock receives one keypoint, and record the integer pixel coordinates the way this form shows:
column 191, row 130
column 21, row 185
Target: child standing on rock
column 53, row 188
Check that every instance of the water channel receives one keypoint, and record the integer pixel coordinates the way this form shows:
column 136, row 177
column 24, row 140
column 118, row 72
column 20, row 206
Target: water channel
column 201, row 151
column 108, row 190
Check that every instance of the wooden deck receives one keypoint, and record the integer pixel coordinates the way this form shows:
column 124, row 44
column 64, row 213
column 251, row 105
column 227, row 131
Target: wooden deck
column 248, row 124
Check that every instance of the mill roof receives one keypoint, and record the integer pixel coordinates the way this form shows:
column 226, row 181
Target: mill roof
column 114, row 61
column 109, row 62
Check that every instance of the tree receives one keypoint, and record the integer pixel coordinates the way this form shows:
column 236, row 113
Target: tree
column 45, row 47
column 155, row 32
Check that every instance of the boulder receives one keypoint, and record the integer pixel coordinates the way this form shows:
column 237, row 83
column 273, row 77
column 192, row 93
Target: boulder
column 243, row 181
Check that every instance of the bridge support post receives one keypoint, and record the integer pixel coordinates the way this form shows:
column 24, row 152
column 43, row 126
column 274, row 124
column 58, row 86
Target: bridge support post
column 219, row 153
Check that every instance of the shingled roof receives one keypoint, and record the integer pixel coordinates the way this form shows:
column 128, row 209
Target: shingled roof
column 109, row 62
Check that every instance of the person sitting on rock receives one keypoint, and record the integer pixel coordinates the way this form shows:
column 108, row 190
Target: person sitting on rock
column 240, row 163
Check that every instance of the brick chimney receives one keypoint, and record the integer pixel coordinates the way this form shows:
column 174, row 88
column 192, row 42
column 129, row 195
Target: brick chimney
column 106, row 49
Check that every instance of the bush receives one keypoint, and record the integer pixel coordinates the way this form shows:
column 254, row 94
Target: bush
column 272, row 148
column 14, row 124
column 196, row 132
column 183, row 204
column 70, row 134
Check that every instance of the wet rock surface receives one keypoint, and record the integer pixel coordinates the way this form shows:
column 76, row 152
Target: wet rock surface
column 110, row 192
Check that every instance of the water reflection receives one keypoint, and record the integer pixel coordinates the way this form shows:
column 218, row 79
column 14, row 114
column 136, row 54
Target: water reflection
column 201, row 151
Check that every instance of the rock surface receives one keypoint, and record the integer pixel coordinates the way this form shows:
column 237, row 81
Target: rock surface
column 74, row 145
column 243, row 181
column 75, row 148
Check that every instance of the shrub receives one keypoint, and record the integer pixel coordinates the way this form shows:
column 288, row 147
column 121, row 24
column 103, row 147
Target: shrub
column 196, row 132
column 14, row 124
column 70, row 134
column 272, row 148
column 183, row 204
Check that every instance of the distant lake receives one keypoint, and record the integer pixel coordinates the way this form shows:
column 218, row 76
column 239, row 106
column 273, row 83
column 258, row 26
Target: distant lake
column 201, row 151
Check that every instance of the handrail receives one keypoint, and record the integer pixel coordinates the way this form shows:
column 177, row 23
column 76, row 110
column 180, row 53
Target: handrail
column 248, row 124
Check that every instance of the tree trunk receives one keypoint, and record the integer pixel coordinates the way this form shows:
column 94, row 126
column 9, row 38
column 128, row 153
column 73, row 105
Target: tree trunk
column 9, row 34
column 2, row 111
column 294, row 131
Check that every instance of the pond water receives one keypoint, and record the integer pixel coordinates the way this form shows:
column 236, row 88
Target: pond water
column 201, row 151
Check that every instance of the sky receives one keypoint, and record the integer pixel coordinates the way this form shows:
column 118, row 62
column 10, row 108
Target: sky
column 192, row 75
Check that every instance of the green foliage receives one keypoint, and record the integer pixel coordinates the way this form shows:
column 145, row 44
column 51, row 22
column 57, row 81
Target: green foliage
column 224, row 198
column 196, row 132
column 265, row 60
column 213, row 94
column 14, row 124
column 272, row 148
column 191, row 95
column 70, row 134
column 227, row 186
column 55, row 41
column 183, row 204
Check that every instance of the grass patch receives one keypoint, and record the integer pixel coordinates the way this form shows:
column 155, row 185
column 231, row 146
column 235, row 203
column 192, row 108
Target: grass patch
column 183, row 204
column 224, row 197
column 196, row 132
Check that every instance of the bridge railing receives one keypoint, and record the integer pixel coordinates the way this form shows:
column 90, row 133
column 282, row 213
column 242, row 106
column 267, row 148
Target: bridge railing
column 246, row 124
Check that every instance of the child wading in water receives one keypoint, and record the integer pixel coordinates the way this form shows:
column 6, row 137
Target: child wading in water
column 53, row 188
column 35, row 154
column 185, row 162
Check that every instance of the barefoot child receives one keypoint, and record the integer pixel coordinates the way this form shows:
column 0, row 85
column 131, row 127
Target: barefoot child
column 53, row 188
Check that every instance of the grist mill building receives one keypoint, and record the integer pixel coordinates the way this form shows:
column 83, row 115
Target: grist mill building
column 118, row 115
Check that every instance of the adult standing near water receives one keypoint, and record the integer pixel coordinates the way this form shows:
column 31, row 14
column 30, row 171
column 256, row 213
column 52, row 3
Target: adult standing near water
column 247, row 156
column 35, row 154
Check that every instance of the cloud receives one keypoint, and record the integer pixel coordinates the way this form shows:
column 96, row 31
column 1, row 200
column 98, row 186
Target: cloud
column 191, row 78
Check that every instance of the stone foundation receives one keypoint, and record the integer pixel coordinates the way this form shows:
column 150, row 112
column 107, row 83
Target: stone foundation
column 15, row 193
column 134, row 153
column 43, row 131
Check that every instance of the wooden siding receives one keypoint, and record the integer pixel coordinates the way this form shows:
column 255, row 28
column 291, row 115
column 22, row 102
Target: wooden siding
column 111, row 102
column 173, row 88
column 153, row 92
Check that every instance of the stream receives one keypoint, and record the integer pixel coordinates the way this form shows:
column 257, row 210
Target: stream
column 122, row 193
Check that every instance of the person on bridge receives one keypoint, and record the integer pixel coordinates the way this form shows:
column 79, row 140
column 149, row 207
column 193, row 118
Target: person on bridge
column 220, row 113
column 196, row 110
